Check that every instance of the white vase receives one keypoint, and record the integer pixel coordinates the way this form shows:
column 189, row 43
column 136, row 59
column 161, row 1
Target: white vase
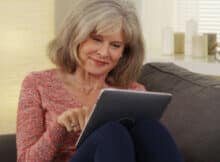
column 200, row 46
column 168, row 41
column 191, row 31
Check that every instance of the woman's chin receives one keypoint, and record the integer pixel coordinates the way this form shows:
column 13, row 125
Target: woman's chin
column 97, row 72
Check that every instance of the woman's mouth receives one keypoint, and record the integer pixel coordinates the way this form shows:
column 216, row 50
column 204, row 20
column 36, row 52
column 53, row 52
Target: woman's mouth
column 99, row 62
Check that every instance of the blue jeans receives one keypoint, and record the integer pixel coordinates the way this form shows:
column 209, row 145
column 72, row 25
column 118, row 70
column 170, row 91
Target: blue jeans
column 146, row 141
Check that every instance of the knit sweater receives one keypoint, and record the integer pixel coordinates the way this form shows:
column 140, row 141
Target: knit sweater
column 39, row 137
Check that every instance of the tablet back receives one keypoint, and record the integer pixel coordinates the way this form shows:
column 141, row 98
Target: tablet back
column 125, row 105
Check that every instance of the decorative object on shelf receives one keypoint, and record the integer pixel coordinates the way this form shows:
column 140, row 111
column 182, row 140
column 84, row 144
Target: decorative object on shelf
column 179, row 39
column 191, row 30
column 212, row 43
column 168, row 41
column 218, row 53
column 199, row 46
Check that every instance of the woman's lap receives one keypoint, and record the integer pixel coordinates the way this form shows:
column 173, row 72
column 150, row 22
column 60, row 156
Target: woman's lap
column 111, row 142
column 147, row 140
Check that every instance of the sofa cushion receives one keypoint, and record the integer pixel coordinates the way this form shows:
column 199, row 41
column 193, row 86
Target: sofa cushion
column 193, row 116
column 8, row 148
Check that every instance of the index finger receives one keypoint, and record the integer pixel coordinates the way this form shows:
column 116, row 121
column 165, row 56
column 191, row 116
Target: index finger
column 86, row 112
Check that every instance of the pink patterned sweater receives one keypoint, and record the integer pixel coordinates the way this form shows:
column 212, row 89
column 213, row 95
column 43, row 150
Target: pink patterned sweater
column 39, row 137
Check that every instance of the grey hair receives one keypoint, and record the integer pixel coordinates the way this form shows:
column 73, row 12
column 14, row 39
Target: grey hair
column 100, row 16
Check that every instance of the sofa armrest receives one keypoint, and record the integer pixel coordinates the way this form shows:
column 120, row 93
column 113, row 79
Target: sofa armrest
column 194, row 112
column 8, row 148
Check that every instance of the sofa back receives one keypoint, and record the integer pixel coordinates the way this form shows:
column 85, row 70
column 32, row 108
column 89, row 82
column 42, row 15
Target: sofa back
column 193, row 116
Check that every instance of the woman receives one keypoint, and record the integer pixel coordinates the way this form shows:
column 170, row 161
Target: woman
column 99, row 46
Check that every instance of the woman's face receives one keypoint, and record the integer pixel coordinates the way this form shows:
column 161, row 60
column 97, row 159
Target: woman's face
column 99, row 54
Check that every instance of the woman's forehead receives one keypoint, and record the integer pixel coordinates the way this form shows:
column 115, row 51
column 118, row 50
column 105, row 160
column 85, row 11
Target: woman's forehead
column 109, row 25
column 116, row 32
column 110, row 31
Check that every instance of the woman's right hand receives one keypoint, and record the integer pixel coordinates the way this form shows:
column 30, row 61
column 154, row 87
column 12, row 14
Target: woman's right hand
column 74, row 119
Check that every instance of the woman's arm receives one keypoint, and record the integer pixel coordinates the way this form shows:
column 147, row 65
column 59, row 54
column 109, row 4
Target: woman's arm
column 34, row 142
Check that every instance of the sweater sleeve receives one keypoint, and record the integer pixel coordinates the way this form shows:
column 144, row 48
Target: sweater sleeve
column 34, row 142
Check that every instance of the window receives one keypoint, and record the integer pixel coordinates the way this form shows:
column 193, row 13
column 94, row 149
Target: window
column 205, row 12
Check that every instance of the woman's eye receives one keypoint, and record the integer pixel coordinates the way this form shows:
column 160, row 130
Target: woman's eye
column 116, row 45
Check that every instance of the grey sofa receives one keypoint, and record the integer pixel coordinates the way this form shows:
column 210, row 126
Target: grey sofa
column 192, row 117
column 7, row 148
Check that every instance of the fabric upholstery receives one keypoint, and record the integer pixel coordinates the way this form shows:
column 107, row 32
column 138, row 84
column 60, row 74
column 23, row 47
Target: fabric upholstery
column 193, row 116
column 7, row 148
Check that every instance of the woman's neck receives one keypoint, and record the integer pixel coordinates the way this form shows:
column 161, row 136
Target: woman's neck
column 85, row 82
column 90, row 79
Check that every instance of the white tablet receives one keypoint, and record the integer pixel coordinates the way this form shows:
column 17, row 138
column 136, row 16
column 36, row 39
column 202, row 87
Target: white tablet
column 124, row 105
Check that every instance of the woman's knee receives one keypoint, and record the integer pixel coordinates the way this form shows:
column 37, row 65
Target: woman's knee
column 151, row 126
column 111, row 135
column 113, row 132
column 115, row 140
column 114, row 129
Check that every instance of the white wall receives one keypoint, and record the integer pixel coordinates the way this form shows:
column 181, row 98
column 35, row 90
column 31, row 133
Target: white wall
column 156, row 14
column 26, row 27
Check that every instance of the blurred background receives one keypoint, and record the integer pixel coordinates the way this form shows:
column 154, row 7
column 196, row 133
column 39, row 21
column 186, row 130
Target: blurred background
column 25, row 29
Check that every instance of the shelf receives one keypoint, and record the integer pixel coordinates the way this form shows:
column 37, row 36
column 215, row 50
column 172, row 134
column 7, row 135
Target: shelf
column 206, row 65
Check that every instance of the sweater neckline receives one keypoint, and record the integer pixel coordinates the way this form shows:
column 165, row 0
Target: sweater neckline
column 61, row 85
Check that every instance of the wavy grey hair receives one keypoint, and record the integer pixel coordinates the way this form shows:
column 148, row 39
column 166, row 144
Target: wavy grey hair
column 100, row 16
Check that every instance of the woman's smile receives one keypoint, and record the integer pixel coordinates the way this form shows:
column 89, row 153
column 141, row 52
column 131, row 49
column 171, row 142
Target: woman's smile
column 98, row 62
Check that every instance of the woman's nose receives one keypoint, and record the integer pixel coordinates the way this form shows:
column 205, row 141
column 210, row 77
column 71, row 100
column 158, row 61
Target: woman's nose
column 104, row 49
